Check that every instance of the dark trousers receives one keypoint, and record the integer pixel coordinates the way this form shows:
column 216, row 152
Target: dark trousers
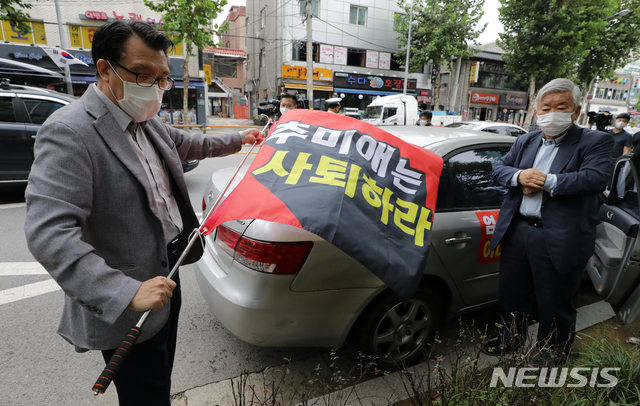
column 526, row 271
column 145, row 376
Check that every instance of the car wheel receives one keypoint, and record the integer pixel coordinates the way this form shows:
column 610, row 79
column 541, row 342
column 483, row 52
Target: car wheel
column 396, row 334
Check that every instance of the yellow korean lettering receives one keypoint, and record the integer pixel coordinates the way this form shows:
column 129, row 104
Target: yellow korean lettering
column 352, row 182
column 386, row 206
column 330, row 172
column 275, row 165
column 299, row 166
column 409, row 216
column 371, row 192
column 423, row 224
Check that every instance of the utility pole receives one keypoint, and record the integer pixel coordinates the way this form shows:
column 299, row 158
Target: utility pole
column 309, row 57
column 67, row 72
column 406, row 64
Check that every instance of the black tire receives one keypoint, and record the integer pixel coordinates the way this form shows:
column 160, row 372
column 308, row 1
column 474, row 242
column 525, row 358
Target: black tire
column 396, row 334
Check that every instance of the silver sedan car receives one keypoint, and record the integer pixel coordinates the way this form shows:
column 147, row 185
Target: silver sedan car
column 326, row 296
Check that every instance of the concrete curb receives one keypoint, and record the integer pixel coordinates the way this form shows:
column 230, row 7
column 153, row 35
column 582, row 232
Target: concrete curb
column 297, row 377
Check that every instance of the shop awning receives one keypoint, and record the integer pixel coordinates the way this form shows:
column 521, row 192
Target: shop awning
column 26, row 71
column 83, row 79
column 360, row 91
column 320, row 88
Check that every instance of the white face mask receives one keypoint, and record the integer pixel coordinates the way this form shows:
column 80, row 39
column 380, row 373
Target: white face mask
column 140, row 103
column 423, row 122
column 553, row 124
column 283, row 110
column 620, row 125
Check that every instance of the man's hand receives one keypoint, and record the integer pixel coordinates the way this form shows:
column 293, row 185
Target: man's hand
column 531, row 178
column 252, row 135
column 153, row 294
column 528, row 191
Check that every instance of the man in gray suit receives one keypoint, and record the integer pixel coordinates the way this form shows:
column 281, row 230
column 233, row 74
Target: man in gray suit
column 108, row 211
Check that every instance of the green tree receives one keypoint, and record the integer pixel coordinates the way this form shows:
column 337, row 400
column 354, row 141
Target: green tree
column 188, row 21
column 440, row 31
column 618, row 44
column 11, row 10
column 544, row 40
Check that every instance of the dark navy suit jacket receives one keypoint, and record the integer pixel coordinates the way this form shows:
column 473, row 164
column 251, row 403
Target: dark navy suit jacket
column 583, row 168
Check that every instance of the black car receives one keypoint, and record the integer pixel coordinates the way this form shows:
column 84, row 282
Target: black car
column 23, row 109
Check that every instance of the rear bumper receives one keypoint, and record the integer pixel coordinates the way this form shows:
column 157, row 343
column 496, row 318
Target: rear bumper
column 261, row 309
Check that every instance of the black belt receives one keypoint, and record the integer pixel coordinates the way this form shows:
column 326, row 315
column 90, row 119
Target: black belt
column 532, row 221
column 172, row 247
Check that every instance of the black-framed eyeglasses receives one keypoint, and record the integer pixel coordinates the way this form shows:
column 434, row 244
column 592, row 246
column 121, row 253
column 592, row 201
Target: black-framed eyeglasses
column 144, row 80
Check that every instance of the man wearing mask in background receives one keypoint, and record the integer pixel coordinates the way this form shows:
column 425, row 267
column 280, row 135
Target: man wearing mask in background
column 288, row 102
column 425, row 118
column 547, row 223
column 622, row 140
column 108, row 212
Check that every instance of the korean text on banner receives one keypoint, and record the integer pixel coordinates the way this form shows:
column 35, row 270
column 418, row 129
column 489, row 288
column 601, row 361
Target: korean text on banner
column 367, row 192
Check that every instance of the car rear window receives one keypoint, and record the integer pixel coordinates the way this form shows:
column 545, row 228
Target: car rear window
column 40, row 110
column 467, row 182
column 7, row 114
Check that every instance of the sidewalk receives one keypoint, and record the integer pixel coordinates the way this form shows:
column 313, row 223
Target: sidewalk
column 215, row 120
column 298, row 376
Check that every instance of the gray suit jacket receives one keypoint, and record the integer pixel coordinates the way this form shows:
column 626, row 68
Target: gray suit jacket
column 90, row 222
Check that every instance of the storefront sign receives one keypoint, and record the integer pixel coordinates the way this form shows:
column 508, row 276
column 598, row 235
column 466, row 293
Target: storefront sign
column 326, row 53
column 340, row 55
column 96, row 15
column 32, row 55
column 207, row 73
column 473, row 76
column 385, row 60
column 372, row 59
column 300, row 72
column 424, row 96
column 494, row 68
column 485, row 98
column 509, row 100
column 371, row 82
column 85, row 59
column 12, row 34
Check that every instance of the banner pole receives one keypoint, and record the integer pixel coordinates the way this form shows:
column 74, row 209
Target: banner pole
column 118, row 358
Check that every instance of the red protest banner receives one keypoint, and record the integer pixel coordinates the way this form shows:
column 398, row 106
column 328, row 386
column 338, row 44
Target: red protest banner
column 353, row 184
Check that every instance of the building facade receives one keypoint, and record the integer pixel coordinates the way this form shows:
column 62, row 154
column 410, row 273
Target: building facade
column 353, row 45
column 226, row 92
column 80, row 21
column 481, row 88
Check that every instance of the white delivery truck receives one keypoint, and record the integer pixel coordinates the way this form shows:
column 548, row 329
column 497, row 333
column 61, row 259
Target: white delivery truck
column 397, row 109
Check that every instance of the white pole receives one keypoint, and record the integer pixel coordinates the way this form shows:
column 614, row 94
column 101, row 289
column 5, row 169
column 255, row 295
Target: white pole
column 406, row 64
column 309, row 57
column 67, row 72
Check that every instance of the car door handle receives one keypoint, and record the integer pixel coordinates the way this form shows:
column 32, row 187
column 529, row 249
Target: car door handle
column 33, row 136
column 463, row 240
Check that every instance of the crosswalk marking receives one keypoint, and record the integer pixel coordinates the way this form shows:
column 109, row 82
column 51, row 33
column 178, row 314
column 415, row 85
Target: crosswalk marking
column 21, row 268
column 27, row 291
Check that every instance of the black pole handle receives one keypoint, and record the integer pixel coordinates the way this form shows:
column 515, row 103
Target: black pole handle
column 116, row 361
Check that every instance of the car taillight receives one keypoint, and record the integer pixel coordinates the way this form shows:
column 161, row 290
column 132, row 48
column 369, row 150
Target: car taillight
column 277, row 258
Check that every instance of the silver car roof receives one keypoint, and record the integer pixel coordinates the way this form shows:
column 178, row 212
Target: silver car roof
column 443, row 140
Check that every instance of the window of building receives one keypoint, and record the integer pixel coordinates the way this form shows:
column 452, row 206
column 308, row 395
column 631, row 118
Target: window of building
column 398, row 18
column 315, row 6
column 228, row 44
column 625, row 94
column 492, row 80
column 226, row 68
column 615, row 95
column 358, row 15
column 444, row 78
column 263, row 17
column 263, row 58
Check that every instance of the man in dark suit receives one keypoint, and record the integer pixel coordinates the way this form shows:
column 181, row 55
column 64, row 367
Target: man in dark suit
column 547, row 221
column 108, row 211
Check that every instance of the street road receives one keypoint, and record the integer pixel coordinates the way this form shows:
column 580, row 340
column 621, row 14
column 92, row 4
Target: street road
column 39, row 367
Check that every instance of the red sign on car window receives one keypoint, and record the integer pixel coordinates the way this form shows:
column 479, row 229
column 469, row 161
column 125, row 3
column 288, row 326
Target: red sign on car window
column 487, row 227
